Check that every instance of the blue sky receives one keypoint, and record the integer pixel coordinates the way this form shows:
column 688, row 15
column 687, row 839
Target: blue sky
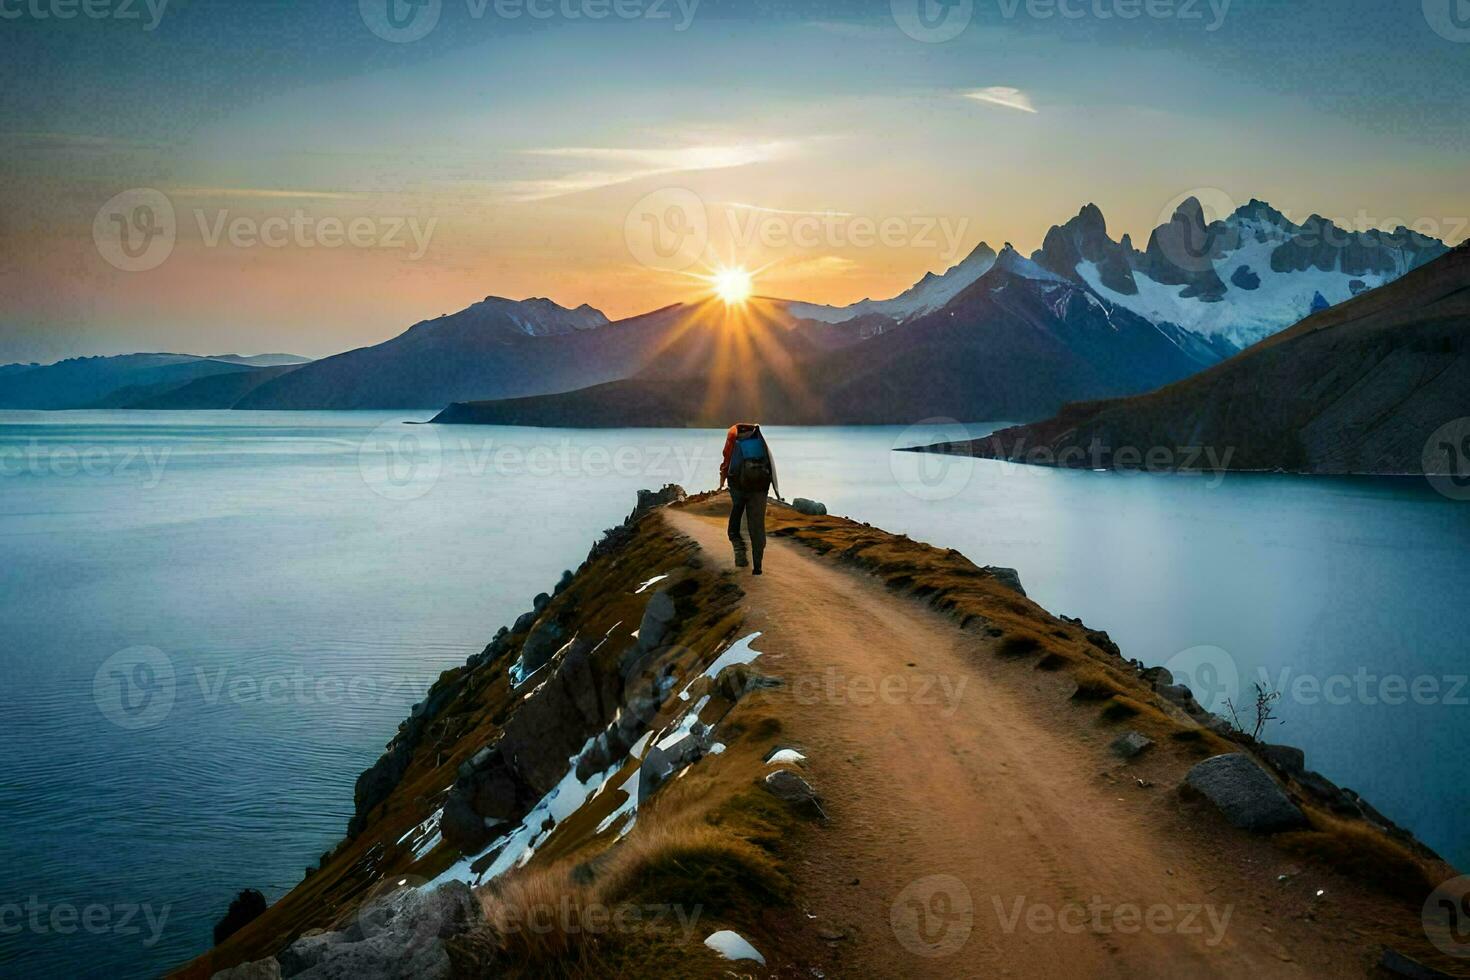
column 521, row 145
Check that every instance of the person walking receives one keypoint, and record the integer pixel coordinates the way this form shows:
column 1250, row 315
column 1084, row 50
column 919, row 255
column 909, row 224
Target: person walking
column 750, row 471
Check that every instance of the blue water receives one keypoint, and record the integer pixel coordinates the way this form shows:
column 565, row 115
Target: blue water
column 213, row 621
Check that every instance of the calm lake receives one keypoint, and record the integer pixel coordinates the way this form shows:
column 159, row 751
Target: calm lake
column 212, row 622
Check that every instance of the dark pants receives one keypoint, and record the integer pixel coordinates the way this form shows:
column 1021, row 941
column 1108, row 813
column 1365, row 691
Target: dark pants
column 753, row 508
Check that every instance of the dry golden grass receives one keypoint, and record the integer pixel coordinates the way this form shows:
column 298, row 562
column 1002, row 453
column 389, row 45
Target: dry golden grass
column 1358, row 851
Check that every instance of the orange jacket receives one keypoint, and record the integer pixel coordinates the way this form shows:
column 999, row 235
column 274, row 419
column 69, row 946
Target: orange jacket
column 736, row 431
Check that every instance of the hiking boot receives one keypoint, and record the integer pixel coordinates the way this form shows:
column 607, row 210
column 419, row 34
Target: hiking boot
column 740, row 560
column 756, row 570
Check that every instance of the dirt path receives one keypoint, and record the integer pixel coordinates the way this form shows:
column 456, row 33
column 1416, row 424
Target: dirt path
column 959, row 802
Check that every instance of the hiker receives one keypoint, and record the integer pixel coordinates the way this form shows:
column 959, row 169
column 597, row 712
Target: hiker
column 750, row 471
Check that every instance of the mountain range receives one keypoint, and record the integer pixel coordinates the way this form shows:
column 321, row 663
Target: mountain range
column 998, row 335
column 1243, row 277
column 1370, row 386
column 1018, row 342
column 1002, row 336
column 126, row 380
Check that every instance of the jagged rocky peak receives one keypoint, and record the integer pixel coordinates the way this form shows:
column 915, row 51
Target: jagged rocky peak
column 1085, row 239
column 1012, row 263
column 1321, row 244
column 1183, row 252
column 539, row 316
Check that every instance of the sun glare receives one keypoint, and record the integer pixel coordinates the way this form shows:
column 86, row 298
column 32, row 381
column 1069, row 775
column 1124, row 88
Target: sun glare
column 732, row 285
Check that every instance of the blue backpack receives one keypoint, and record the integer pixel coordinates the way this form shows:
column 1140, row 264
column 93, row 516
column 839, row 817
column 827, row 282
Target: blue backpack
column 750, row 465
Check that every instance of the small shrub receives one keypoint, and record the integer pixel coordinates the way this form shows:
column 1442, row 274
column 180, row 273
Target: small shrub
column 1093, row 685
column 1018, row 645
column 248, row 906
column 1052, row 661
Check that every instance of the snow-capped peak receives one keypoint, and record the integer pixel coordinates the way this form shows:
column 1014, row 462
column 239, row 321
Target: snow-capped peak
column 927, row 295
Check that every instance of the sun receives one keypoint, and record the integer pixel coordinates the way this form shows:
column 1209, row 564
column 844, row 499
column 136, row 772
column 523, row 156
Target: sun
column 732, row 285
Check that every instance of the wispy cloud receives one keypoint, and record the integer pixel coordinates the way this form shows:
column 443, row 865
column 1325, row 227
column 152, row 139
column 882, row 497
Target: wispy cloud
column 756, row 207
column 822, row 265
column 1003, row 95
column 263, row 193
column 642, row 163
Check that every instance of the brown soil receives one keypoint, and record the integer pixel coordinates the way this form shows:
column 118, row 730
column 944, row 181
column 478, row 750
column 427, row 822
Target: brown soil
column 937, row 756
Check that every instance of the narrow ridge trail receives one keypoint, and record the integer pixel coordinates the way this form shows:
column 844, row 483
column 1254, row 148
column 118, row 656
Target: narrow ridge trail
column 969, row 804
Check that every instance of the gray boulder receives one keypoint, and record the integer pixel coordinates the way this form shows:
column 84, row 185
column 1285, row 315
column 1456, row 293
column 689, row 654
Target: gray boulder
column 788, row 787
column 811, row 508
column 267, row 969
column 662, row 762
column 1245, row 793
column 1130, row 745
column 658, row 618
column 541, row 645
column 1285, row 759
column 397, row 936
column 1008, row 577
column 1180, row 694
column 1157, row 676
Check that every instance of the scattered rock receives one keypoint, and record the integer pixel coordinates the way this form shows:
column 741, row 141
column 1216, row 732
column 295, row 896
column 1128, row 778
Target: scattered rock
column 811, row 508
column 541, row 645
column 394, row 937
column 787, row 786
column 738, row 680
column 1218, row 724
column 1130, row 745
column 1285, row 759
column 1244, row 792
column 1328, row 792
column 1399, row 965
column 1008, row 577
column 1156, row 676
column 1180, row 694
column 259, row 970
column 671, row 493
column 658, row 617
column 662, row 761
